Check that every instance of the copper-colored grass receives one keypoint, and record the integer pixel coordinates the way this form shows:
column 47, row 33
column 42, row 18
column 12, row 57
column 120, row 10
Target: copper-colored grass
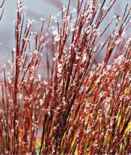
column 81, row 107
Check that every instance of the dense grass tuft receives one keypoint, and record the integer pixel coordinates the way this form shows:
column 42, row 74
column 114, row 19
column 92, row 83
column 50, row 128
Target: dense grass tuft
column 72, row 102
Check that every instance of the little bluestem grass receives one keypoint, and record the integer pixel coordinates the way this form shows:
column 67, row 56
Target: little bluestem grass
column 82, row 106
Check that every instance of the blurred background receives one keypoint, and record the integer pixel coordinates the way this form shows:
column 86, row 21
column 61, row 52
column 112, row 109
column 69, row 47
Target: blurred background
column 35, row 9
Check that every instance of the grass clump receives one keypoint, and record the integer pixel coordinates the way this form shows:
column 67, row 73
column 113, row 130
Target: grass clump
column 69, row 103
